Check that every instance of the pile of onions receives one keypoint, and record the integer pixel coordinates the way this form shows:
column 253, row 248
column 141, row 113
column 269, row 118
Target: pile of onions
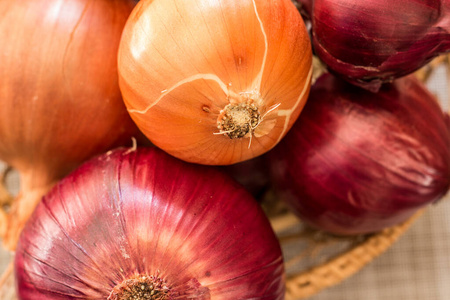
column 357, row 162
column 59, row 94
column 140, row 224
column 372, row 42
column 215, row 82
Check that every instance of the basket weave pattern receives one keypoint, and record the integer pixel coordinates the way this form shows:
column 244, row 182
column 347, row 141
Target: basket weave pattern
column 343, row 265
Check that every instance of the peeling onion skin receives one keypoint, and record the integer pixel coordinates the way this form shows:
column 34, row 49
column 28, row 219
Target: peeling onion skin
column 369, row 43
column 142, row 211
column 356, row 162
column 59, row 94
column 182, row 62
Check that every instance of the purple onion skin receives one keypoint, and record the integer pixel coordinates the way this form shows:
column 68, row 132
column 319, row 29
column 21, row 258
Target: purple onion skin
column 372, row 42
column 144, row 212
column 356, row 162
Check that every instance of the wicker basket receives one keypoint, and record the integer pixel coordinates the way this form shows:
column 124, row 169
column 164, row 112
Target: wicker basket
column 329, row 269
column 314, row 260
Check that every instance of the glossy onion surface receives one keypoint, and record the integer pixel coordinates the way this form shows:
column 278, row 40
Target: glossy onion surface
column 134, row 213
column 60, row 102
column 183, row 65
column 372, row 42
column 60, row 99
column 357, row 162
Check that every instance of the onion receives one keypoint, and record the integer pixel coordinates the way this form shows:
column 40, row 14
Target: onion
column 59, row 93
column 372, row 42
column 215, row 82
column 304, row 7
column 252, row 174
column 356, row 162
column 133, row 219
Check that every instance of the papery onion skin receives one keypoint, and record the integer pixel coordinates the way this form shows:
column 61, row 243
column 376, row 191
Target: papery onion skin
column 182, row 62
column 372, row 42
column 356, row 162
column 59, row 94
column 142, row 212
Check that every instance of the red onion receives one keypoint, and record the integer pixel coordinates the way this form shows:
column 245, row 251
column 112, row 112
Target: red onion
column 143, row 218
column 372, row 42
column 59, row 94
column 356, row 162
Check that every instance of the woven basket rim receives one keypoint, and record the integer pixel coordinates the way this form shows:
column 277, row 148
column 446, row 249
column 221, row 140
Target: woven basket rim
column 343, row 265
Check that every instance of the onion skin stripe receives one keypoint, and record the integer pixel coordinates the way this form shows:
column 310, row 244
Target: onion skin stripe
column 288, row 112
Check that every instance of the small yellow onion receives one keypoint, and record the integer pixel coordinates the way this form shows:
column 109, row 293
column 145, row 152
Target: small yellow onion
column 215, row 82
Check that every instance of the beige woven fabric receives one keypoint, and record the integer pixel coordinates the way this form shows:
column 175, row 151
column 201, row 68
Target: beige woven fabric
column 416, row 267
column 343, row 266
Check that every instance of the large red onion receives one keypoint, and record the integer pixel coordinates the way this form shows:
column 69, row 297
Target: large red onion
column 59, row 94
column 372, row 42
column 132, row 218
column 357, row 162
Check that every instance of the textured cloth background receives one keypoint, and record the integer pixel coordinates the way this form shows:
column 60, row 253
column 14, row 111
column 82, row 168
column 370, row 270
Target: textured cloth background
column 417, row 267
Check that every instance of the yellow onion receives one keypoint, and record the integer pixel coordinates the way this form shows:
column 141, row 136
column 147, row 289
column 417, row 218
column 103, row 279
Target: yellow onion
column 215, row 82
column 59, row 95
